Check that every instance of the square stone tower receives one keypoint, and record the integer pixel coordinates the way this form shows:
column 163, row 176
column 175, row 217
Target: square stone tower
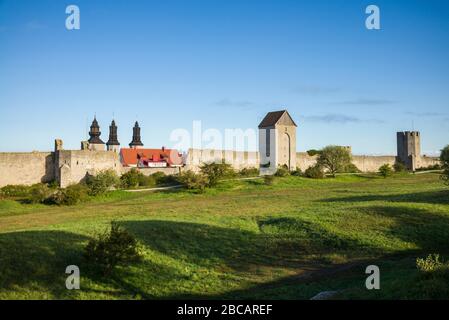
column 277, row 142
column 409, row 148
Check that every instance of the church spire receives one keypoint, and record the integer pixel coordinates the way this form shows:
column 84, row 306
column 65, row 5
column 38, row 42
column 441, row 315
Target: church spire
column 95, row 133
column 113, row 144
column 136, row 137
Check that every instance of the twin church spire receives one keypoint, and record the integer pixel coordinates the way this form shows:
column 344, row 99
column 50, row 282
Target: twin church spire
column 95, row 142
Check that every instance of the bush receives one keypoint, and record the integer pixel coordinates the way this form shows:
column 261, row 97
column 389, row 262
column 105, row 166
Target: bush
column 249, row 172
column 430, row 264
column 39, row 193
column 216, row 171
column 315, row 172
column 163, row 179
column 385, row 170
column 350, row 168
column 334, row 158
column 399, row 167
column 102, row 182
column 444, row 158
column 193, row 181
column 69, row 196
column 282, row 171
column 268, row 180
column 298, row 172
column 112, row 248
column 15, row 190
column 130, row 179
column 146, row 181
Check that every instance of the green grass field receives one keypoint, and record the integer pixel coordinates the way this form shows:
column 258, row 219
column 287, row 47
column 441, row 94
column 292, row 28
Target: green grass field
column 243, row 239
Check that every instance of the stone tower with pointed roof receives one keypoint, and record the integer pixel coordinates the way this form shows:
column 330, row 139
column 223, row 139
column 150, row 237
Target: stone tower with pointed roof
column 95, row 142
column 113, row 144
column 136, row 142
column 277, row 142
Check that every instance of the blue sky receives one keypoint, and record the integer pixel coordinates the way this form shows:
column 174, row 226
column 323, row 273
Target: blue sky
column 226, row 63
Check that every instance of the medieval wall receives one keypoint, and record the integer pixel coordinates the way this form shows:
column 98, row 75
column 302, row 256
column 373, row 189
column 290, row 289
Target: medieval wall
column 73, row 165
column 364, row 163
column 26, row 167
column 238, row 159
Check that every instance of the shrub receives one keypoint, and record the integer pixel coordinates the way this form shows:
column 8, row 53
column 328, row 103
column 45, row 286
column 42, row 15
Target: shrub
column 444, row 158
column 216, row 171
column 430, row 264
column 433, row 280
column 385, row 170
column 334, row 158
column 298, row 172
column 249, row 172
column 193, row 181
column 146, row 181
column 102, row 182
column 112, row 248
column 69, row 196
column 163, row 179
column 399, row 167
column 314, row 172
column 268, row 180
column 282, row 172
column 130, row 179
column 15, row 190
column 39, row 193
column 350, row 168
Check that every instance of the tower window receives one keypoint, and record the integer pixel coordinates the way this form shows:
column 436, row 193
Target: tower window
column 267, row 142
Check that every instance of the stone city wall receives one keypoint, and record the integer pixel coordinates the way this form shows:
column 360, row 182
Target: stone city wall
column 26, row 167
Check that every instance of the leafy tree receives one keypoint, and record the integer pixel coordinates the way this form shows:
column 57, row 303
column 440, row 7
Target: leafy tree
column 385, row 170
column 102, row 182
column 131, row 179
column 193, row 181
column 216, row 171
column 334, row 158
column 444, row 157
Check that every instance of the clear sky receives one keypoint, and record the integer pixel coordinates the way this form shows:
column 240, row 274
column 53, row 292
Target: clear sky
column 226, row 63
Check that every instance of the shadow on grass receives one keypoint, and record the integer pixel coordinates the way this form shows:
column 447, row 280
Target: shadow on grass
column 38, row 259
column 428, row 230
column 433, row 197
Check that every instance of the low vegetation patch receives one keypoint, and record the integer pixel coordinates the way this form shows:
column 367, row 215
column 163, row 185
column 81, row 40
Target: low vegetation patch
column 386, row 170
column 114, row 247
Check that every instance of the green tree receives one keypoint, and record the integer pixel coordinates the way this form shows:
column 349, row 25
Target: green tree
column 334, row 159
column 444, row 157
column 216, row 171
column 102, row 182
column 386, row 170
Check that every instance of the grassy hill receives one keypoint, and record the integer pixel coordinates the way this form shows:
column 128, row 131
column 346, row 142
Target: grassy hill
column 241, row 240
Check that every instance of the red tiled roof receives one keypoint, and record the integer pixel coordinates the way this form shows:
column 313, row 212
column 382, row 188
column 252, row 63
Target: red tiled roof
column 130, row 157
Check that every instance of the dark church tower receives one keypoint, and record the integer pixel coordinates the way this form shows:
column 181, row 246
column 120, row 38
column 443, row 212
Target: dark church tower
column 136, row 143
column 95, row 143
column 113, row 144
